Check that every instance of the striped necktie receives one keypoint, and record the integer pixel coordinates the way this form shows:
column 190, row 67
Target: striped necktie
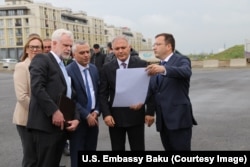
column 124, row 65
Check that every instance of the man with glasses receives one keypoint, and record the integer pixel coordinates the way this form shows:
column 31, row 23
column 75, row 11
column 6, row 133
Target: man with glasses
column 169, row 87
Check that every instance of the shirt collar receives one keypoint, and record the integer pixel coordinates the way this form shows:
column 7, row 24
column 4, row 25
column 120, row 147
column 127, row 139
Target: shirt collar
column 56, row 57
column 82, row 67
column 119, row 61
column 168, row 57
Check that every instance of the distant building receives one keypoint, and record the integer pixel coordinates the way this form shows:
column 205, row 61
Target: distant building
column 19, row 18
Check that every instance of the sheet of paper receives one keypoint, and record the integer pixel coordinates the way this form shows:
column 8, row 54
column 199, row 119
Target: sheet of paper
column 131, row 87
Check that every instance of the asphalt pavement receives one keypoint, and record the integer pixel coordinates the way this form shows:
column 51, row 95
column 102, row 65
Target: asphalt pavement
column 220, row 99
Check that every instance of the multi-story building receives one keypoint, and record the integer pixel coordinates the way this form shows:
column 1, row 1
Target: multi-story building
column 19, row 18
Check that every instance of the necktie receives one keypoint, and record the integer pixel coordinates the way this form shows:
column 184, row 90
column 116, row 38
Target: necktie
column 159, row 76
column 89, row 104
column 67, row 79
column 124, row 65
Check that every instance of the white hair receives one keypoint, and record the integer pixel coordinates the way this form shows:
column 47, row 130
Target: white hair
column 57, row 34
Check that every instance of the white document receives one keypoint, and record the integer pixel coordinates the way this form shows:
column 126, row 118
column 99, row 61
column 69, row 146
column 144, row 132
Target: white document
column 131, row 87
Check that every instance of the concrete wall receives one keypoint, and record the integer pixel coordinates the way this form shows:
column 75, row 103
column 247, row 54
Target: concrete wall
column 210, row 63
column 238, row 62
column 216, row 63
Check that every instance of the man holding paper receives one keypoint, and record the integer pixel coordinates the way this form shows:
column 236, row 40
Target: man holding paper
column 122, row 120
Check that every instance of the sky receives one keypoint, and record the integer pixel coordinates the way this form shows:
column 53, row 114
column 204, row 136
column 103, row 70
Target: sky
column 199, row 26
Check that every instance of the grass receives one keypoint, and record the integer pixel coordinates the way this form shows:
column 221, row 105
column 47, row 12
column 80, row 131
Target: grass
column 234, row 52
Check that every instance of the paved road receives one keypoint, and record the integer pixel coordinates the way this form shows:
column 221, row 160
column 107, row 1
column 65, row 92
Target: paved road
column 221, row 106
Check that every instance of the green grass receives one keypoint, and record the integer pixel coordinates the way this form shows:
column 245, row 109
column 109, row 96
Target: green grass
column 234, row 52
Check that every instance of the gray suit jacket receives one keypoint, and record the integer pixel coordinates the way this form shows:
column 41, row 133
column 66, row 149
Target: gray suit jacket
column 47, row 84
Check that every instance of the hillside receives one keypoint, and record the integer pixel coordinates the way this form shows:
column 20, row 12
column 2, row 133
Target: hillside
column 236, row 51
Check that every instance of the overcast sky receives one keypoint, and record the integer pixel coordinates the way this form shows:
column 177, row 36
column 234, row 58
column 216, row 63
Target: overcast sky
column 198, row 25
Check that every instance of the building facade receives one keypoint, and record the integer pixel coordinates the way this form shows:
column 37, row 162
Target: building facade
column 19, row 18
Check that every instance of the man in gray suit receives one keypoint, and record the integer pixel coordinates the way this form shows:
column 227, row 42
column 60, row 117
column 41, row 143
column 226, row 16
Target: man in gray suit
column 48, row 82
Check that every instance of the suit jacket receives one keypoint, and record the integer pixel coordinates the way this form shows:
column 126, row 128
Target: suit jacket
column 22, row 89
column 123, row 116
column 172, row 102
column 79, row 87
column 47, row 84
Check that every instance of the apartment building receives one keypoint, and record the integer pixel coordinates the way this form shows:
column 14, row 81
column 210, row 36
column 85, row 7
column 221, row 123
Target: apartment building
column 19, row 18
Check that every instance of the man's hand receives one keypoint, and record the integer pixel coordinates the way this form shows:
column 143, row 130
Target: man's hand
column 109, row 121
column 58, row 119
column 154, row 69
column 92, row 121
column 72, row 125
column 149, row 120
column 94, row 114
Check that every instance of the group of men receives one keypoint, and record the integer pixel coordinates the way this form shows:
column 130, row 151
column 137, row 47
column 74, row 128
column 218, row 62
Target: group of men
column 91, row 83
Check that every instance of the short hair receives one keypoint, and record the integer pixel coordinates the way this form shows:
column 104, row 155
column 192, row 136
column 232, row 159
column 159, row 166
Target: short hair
column 57, row 34
column 96, row 46
column 169, row 38
column 46, row 39
column 80, row 42
column 120, row 37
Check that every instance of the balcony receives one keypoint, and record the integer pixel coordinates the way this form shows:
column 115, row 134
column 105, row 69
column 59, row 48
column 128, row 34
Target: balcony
column 19, row 44
column 18, row 24
column 19, row 34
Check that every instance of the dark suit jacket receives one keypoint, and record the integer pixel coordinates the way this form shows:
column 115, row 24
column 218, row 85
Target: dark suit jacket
column 123, row 116
column 47, row 84
column 172, row 101
column 79, row 87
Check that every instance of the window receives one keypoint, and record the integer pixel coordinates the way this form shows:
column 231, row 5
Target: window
column 1, row 23
column 11, row 42
column 20, row 12
column 2, row 13
column 10, row 33
column 11, row 13
column 1, row 33
column 9, row 23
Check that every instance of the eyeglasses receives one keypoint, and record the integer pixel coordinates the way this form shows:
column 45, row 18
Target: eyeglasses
column 35, row 47
column 157, row 44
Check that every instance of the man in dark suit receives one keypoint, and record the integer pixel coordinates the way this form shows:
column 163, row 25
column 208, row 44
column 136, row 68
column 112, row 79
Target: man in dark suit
column 49, row 81
column 122, row 120
column 169, row 85
column 86, row 134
